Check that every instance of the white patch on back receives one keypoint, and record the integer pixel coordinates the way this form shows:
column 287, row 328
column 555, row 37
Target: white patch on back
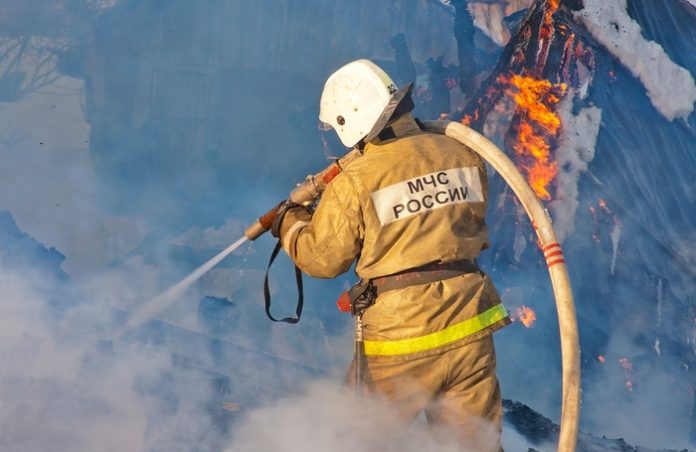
column 428, row 192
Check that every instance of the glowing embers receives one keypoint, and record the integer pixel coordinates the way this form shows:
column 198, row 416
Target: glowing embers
column 602, row 214
column 534, row 128
column 628, row 372
column 526, row 315
column 627, row 366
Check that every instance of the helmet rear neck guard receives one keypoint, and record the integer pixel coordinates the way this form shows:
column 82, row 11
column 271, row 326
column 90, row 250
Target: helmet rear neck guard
column 386, row 115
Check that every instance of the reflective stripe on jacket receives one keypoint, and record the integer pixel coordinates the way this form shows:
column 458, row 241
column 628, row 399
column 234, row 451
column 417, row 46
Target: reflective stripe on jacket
column 406, row 202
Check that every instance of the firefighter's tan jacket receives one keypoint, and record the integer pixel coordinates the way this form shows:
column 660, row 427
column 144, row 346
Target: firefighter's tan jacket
column 406, row 202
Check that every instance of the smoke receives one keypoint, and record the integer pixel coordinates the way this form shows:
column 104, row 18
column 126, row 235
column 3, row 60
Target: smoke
column 53, row 396
column 630, row 395
column 575, row 151
column 325, row 417
column 70, row 387
column 67, row 385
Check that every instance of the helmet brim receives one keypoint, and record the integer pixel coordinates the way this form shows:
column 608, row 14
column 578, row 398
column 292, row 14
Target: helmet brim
column 386, row 115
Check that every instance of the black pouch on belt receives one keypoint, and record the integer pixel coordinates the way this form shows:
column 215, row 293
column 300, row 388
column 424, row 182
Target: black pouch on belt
column 362, row 295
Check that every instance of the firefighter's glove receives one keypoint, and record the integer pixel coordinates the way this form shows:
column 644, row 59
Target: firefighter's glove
column 289, row 214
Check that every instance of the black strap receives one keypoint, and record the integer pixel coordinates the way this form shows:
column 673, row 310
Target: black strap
column 423, row 275
column 267, row 292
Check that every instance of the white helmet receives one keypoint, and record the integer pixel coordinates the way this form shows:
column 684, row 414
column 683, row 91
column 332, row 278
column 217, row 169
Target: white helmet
column 358, row 100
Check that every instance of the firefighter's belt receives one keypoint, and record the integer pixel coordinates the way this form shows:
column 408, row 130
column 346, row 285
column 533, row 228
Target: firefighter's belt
column 423, row 275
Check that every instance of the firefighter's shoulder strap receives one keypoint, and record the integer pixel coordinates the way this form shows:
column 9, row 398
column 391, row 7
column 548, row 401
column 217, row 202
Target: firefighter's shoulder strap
column 267, row 292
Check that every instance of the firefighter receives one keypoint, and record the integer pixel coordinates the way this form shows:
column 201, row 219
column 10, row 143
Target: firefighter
column 410, row 213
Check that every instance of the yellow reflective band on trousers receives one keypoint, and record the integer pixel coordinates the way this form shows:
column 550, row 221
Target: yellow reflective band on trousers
column 439, row 338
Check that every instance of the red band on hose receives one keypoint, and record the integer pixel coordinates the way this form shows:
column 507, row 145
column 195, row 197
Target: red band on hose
column 553, row 245
column 557, row 261
column 555, row 253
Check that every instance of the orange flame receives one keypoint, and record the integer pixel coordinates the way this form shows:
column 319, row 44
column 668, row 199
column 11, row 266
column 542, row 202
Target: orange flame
column 526, row 315
column 538, row 125
column 548, row 16
column 468, row 119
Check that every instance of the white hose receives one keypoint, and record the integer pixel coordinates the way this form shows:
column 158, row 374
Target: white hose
column 567, row 322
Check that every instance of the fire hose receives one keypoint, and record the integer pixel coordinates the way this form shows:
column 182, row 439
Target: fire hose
column 306, row 192
column 567, row 322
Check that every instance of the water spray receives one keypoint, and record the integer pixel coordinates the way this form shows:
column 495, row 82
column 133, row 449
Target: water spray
column 161, row 301
column 304, row 194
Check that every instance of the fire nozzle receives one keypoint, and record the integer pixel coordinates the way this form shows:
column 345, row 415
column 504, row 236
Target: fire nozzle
column 263, row 224
column 304, row 194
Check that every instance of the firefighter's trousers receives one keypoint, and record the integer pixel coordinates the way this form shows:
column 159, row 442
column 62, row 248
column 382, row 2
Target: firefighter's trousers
column 457, row 389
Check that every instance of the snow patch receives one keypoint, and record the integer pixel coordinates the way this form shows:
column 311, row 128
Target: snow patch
column 670, row 87
column 615, row 238
column 575, row 151
column 660, row 298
